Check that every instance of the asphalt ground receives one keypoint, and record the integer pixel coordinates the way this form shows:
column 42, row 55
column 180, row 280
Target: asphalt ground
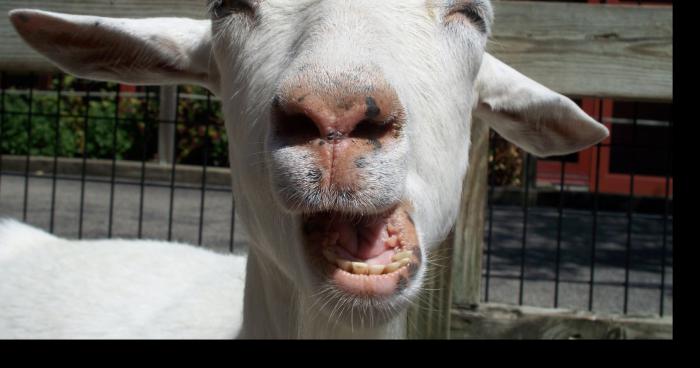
column 503, row 259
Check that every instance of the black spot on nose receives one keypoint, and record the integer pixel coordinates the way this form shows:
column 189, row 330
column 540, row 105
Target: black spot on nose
column 314, row 175
column 361, row 162
column 276, row 101
column 376, row 144
column 372, row 109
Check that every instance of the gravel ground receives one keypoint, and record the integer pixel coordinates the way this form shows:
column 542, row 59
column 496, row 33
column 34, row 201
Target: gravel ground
column 503, row 256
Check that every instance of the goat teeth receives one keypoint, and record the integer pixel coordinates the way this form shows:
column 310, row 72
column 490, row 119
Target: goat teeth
column 404, row 262
column 330, row 256
column 392, row 241
column 360, row 268
column 344, row 265
column 376, row 269
column 391, row 267
column 401, row 255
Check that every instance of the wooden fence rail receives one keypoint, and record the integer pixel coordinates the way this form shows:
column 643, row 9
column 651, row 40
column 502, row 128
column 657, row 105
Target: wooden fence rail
column 576, row 49
column 622, row 52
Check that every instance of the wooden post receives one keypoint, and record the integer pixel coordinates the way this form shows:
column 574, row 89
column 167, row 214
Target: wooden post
column 455, row 275
column 469, row 230
column 166, row 126
column 430, row 318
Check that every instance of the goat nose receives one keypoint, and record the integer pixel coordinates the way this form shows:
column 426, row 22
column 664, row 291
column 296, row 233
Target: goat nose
column 308, row 115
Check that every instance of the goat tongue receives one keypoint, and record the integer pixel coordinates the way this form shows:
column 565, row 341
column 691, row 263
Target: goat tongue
column 347, row 235
column 363, row 241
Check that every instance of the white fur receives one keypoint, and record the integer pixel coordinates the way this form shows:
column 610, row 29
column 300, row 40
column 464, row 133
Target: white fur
column 435, row 61
column 55, row 288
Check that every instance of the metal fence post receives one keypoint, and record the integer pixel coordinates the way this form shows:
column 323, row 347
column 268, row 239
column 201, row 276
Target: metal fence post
column 166, row 126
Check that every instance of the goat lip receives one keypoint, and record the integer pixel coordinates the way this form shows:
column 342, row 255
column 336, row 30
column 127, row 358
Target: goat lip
column 370, row 285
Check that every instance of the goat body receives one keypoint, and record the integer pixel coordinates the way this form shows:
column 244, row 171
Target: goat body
column 57, row 288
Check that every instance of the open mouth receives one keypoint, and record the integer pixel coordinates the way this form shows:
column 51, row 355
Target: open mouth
column 373, row 255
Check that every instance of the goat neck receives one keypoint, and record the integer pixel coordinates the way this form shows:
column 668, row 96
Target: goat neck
column 274, row 308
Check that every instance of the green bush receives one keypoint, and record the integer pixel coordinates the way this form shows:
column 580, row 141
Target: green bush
column 505, row 162
column 200, row 128
column 34, row 131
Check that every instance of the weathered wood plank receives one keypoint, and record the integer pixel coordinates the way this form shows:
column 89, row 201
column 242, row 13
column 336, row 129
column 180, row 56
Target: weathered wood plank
column 499, row 321
column 576, row 49
column 588, row 50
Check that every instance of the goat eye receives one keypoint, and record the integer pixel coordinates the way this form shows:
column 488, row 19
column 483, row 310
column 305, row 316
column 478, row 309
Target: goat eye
column 470, row 14
column 223, row 8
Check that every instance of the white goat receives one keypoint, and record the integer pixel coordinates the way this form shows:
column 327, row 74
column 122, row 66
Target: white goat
column 349, row 129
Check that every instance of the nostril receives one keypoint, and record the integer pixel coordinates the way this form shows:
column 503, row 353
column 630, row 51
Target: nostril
column 296, row 126
column 369, row 129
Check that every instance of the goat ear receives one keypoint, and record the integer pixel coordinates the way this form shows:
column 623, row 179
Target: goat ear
column 134, row 51
column 532, row 116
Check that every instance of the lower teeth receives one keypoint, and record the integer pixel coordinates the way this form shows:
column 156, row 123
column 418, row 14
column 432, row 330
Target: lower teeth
column 400, row 259
column 361, row 268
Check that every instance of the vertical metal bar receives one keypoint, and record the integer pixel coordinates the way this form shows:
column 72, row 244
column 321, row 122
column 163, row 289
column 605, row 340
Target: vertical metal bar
column 665, row 220
column 144, row 143
column 488, row 244
column 172, row 171
column 559, row 231
column 29, row 147
column 233, row 221
column 205, row 160
column 57, row 142
column 628, row 247
column 114, row 161
column 83, row 171
column 3, row 86
column 526, row 199
column 595, row 216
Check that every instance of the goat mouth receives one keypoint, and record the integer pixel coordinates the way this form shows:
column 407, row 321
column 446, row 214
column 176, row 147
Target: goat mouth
column 368, row 255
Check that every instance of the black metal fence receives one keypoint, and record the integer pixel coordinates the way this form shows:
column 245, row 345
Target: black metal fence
column 83, row 159
column 575, row 246
column 66, row 154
